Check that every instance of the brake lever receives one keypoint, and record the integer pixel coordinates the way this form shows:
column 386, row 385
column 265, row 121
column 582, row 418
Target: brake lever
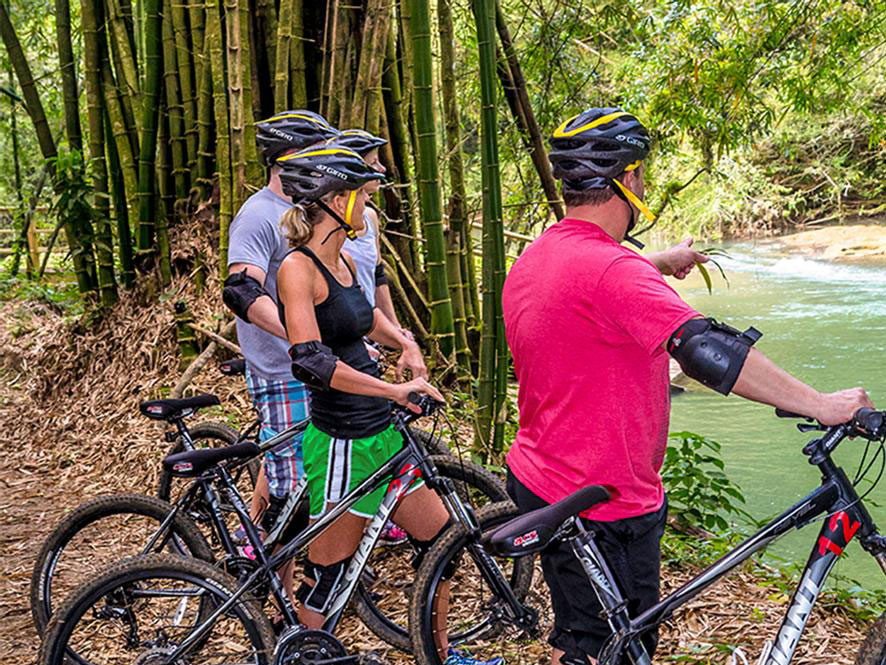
column 805, row 427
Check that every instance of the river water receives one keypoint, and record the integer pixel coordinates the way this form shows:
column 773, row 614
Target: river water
column 826, row 324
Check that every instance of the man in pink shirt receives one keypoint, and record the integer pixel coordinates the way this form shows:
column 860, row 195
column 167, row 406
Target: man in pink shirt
column 590, row 324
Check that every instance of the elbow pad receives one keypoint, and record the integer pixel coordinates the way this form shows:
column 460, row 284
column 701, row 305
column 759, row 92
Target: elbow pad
column 380, row 278
column 240, row 291
column 712, row 353
column 313, row 364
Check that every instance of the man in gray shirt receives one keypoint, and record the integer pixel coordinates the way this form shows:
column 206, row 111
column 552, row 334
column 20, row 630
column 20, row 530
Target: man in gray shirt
column 256, row 248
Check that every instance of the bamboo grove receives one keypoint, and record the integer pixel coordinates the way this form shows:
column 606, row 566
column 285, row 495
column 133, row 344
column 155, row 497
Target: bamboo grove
column 172, row 89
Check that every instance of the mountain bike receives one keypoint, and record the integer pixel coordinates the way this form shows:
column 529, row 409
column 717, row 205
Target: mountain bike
column 836, row 499
column 167, row 609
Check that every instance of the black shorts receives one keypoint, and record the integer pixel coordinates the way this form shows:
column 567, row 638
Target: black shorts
column 632, row 549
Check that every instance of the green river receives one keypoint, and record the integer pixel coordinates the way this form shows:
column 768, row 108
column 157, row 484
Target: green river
column 825, row 323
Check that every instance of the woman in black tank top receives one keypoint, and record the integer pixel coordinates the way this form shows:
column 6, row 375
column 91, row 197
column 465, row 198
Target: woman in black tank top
column 326, row 317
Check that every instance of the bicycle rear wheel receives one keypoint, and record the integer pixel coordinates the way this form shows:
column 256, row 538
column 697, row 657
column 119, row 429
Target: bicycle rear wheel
column 382, row 597
column 475, row 617
column 140, row 609
column 98, row 532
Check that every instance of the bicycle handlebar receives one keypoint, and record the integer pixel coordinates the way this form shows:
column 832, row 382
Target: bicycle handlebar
column 866, row 423
column 426, row 403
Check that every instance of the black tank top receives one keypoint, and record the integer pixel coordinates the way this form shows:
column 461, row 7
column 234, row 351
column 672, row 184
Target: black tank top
column 344, row 318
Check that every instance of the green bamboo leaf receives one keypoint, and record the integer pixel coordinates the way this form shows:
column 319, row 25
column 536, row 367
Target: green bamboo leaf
column 706, row 276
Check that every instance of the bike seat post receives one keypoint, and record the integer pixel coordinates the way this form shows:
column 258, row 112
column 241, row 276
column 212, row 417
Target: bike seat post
column 615, row 610
column 187, row 441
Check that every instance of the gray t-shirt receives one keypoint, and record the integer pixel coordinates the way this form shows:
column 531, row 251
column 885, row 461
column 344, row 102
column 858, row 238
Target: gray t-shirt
column 255, row 238
column 364, row 251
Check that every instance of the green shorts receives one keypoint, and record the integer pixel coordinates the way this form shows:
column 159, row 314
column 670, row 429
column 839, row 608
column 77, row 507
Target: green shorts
column 333, row 467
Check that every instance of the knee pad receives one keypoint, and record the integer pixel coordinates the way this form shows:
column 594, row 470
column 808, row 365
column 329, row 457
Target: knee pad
column 711, row 352
column 420, row 549
column 326, row 580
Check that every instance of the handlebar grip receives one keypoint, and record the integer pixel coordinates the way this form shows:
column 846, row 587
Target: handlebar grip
column 870, row 423
column 414, row 397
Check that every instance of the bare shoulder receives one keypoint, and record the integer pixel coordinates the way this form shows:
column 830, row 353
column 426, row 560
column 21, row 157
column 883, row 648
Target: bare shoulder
column 296, row 270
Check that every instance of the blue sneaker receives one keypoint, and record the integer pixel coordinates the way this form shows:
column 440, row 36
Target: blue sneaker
column 464, row 658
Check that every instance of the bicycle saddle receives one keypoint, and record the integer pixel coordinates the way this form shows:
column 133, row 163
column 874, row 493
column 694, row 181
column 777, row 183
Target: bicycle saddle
column 532, row 531
column 194, row 462
column 172, row 409
column 233, row 367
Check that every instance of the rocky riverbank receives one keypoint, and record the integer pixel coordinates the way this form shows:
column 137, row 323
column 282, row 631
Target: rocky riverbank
column 851, row 242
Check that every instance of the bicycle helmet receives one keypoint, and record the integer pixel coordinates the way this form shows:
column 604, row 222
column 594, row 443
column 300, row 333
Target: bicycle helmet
column 592, row 149
column 310, row 174
column 360, row 141
column 291, row 130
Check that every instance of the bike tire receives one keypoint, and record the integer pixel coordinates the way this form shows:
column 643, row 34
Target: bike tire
column 206, row 434
column 450, row 548
column 215, row 586
column 873, row 649
column 87, row 515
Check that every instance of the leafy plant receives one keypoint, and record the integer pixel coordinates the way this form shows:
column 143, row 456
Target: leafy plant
column 698, row 490
column 705, row 274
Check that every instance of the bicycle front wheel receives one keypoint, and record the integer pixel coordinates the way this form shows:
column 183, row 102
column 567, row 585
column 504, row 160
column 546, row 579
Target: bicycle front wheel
column 474, row 618
column 382, row 597
column 139, row 610
column 98, row 532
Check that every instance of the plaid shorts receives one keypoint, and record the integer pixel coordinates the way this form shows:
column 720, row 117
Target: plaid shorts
column 280, row 404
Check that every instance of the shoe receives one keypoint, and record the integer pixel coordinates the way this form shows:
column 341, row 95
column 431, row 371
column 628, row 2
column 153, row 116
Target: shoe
column 464, row 658
column 391, row 533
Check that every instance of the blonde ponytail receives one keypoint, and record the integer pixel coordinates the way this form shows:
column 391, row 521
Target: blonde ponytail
column 298, row 222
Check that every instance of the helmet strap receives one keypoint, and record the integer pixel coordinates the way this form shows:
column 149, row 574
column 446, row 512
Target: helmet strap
column 629, row 198
column 342, row 224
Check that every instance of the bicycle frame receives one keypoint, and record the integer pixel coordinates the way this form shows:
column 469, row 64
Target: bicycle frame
column 845, row 516
column 400, row 473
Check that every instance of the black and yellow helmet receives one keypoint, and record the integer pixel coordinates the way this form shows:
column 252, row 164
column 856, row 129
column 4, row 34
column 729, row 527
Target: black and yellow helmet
column 592, row 149
column 291, row 130
column 312, row 173
column 360, row 141
column 600, row 142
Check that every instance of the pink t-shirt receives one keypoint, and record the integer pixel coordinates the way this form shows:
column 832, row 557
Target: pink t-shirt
column 585, row 319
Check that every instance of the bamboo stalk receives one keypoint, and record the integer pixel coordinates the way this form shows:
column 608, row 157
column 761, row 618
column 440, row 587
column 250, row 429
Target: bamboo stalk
column 375, row 30
column 298, row 89
column 174, row 119
column 536, row 142
column 147, row 194
column 457, row 198
column 284, row 39
column 121, row 137
column 222, row 137
column 205, row 106
column 68, row 74
column 493, row 362
column 92, row 24
column 125, row 62
column 187, row 81
column 121, row 211
column 429, row 183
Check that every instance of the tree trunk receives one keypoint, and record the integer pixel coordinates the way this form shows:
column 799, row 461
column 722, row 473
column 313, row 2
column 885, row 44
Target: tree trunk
column 534, row 138
column 23, row 233
column 68, row 74
column 265, row 44
column 457, row 199
column 165, row 211
column 493, row 362
column 122, row 48
column 92, row 23
column 153, row 60
column 429, row 183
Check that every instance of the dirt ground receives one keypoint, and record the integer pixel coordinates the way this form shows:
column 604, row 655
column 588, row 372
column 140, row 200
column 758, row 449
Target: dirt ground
column 71, row 430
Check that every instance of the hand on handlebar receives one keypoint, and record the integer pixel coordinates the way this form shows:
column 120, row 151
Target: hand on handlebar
column 841, row 406
column 401, row 391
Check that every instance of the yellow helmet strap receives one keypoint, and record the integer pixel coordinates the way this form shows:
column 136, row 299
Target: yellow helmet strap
column 342, row 224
